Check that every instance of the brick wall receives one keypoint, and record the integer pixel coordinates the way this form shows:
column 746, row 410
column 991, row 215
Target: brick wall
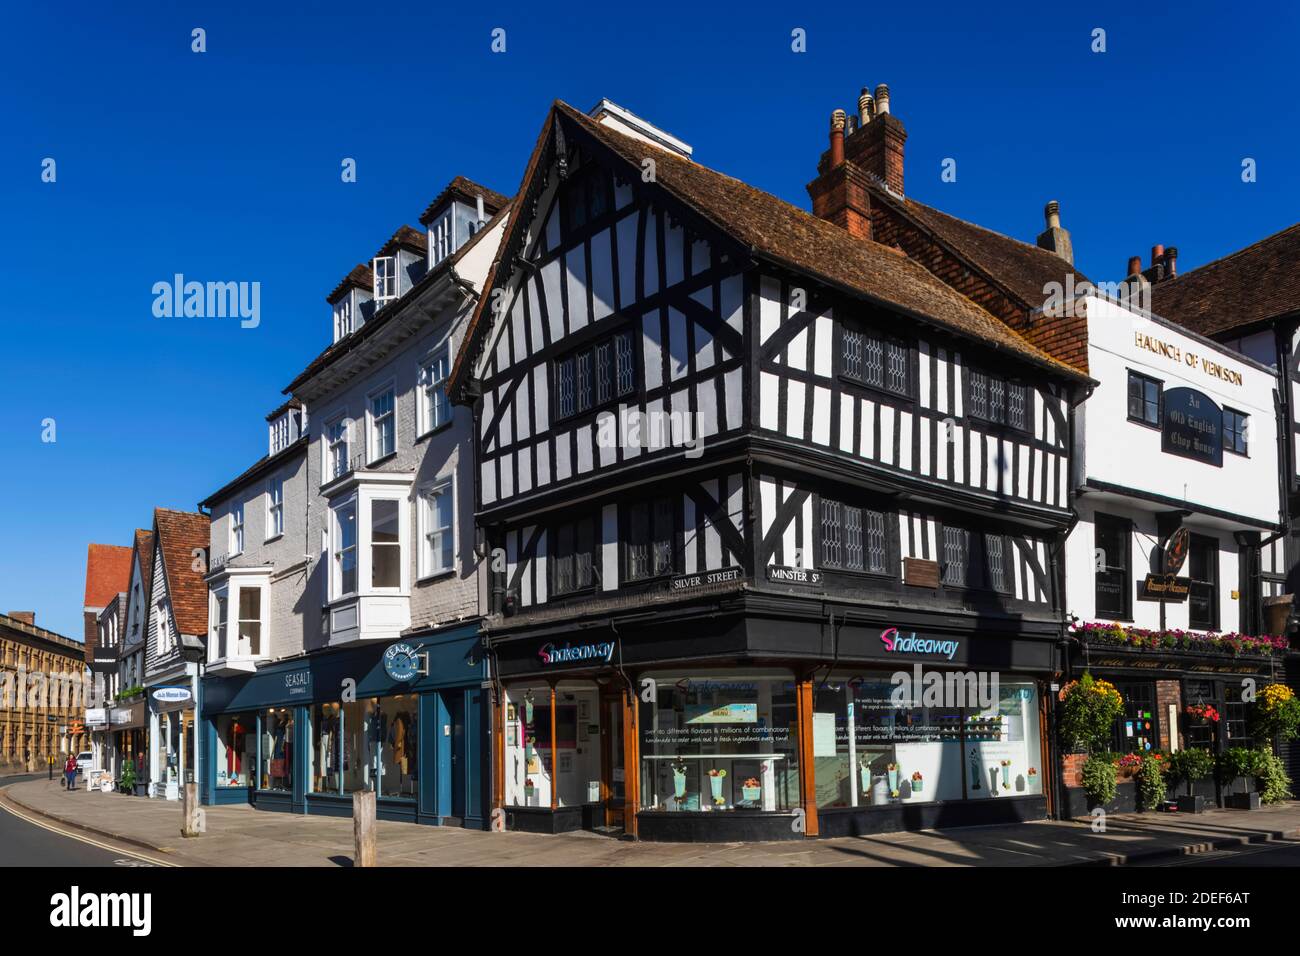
column 1168, row 692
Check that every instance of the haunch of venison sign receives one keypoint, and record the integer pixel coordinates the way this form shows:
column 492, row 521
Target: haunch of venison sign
column 1174, row 353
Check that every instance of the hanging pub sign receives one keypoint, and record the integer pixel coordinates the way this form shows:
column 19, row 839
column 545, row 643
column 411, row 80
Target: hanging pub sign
column 1164, row 587
column 1176, row 550
column 779, row 574
column 1191, row 426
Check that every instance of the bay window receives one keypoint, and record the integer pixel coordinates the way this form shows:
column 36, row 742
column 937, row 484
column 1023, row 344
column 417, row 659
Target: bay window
column 385, row 544
column 250, row 621
column 343, row 564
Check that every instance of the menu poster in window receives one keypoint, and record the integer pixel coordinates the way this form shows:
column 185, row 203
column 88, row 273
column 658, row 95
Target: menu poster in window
column 823, row 725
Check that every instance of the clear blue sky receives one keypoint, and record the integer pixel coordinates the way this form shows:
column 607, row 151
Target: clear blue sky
column 225, row 166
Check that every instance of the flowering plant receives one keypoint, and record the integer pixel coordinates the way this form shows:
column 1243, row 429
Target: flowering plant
column 1203, row 712
column 1105, row 632
column 1089, row 710
column 1130, row 762
column 1276, row 713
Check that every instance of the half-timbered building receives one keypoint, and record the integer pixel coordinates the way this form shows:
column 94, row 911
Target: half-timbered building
column 736, row 464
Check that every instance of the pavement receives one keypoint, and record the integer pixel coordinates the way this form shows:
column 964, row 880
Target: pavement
column 244, row 836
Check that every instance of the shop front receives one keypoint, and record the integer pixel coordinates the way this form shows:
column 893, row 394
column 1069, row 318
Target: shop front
column 128, row 730
column 405, row 720
column 172, row 739
column 745, row 728
column 1179, row 691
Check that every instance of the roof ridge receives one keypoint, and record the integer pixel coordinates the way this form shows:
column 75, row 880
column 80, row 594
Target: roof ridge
column 1222, row 260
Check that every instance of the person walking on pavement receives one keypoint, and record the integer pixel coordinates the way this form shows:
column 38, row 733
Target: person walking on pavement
column 70, row 772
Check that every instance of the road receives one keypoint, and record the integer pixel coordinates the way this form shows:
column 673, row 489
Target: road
column 26, row 840
column 1283, row 853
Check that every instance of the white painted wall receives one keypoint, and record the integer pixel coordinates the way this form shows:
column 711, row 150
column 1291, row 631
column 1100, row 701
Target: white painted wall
column 1128, row 454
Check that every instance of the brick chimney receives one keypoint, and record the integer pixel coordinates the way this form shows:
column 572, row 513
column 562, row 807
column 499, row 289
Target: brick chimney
column 1054, row 238
column 27, row 617
column 874, row 149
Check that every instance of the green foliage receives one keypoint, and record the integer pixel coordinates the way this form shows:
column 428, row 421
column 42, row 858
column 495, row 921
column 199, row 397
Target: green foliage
column 1276, row 717
column 1237, row 762
column 1275, row 785
column 1191, row 764
column 1099, row 779
column 1089, row 709
column 128, row 776
column 1151, row 788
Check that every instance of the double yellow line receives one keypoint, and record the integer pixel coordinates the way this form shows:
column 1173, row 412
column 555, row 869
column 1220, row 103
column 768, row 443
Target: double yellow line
column 7, row 806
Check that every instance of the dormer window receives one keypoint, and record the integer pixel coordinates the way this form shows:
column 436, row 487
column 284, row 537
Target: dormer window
column 441, row 238
column 385, row 269
column 343, row 317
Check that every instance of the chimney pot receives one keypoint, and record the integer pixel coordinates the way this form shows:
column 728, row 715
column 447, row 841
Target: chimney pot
column 837, row 139
column 882, row 99
column 1134, row 265
column 1157, row 251
column 866, row 107
column 1171, row 262
column 1052, row 213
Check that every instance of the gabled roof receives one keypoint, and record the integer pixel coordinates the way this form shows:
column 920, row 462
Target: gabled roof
column 467, row 191
column 781, row 233
column 406, row 237
column 359, row 278
column 1022, row 269
column 281, row 409
column 355, row 339
column 142, row 550
column 179, row 533
column 108, row 573
column 1251, row 286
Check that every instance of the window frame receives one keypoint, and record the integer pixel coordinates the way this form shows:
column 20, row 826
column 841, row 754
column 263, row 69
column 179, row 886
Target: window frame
column 654, row 539
column 1243, row 431
column 385, row 281
column 254, row 650
column 889, row 546
column 337, row 550
column 425, row 495
column 329, row 445
column 428, row 385
column 1124, row 527
column 274, row 508
column 886, row 339
column 343, row 325
column 369, row 543
column 235, row 541
column 373, row 451
column 1160, row 399
column 978, row 576
column 589, row 351
column 554, row 557
column 1008, row 384
column 1214, row 584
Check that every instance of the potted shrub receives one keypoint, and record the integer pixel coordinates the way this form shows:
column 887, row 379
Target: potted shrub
column 1150, row 778
column 1274, row 784
column 1189, row 766
column 1099, row 780
column 1276, row 713
column 1238, row 767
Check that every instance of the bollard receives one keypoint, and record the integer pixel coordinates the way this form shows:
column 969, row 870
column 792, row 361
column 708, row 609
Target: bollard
column 193, row 819
column 363, row 827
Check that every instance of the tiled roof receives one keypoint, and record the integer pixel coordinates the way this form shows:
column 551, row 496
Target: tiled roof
column 789, row 236
column 407, row 237
column 291, row 403
column 469, row 191
column 179, row 533
column 1022, row 269
column 359, row 278
column 1250, row 286
column 108, row 573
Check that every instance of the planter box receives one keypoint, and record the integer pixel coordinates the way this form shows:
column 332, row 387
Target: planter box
column 1241, row 801
column 1192, row 804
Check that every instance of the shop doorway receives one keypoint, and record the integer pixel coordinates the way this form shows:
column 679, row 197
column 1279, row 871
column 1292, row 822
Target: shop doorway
column 456, row 715
column 613, row 776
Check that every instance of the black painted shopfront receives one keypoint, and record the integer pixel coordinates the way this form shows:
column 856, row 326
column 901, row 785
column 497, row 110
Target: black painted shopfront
column 761, row 718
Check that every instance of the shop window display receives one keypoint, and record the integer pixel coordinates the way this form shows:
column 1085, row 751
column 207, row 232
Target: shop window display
column 574, row 769
column 236, row 749
column 871, row 749
column 367, row 744
column 398, row 727
column 717, row 743
column 277, row 749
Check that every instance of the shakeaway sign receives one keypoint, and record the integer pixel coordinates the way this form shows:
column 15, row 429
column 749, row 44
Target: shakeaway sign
column 1191, row 426
column 600, row 653
column 897, row 642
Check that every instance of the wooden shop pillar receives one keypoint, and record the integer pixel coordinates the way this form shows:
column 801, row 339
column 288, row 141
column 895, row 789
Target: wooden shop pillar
column 807, row 776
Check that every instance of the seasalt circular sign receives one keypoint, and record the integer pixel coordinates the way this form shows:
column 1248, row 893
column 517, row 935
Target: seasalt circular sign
column 402, row 662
